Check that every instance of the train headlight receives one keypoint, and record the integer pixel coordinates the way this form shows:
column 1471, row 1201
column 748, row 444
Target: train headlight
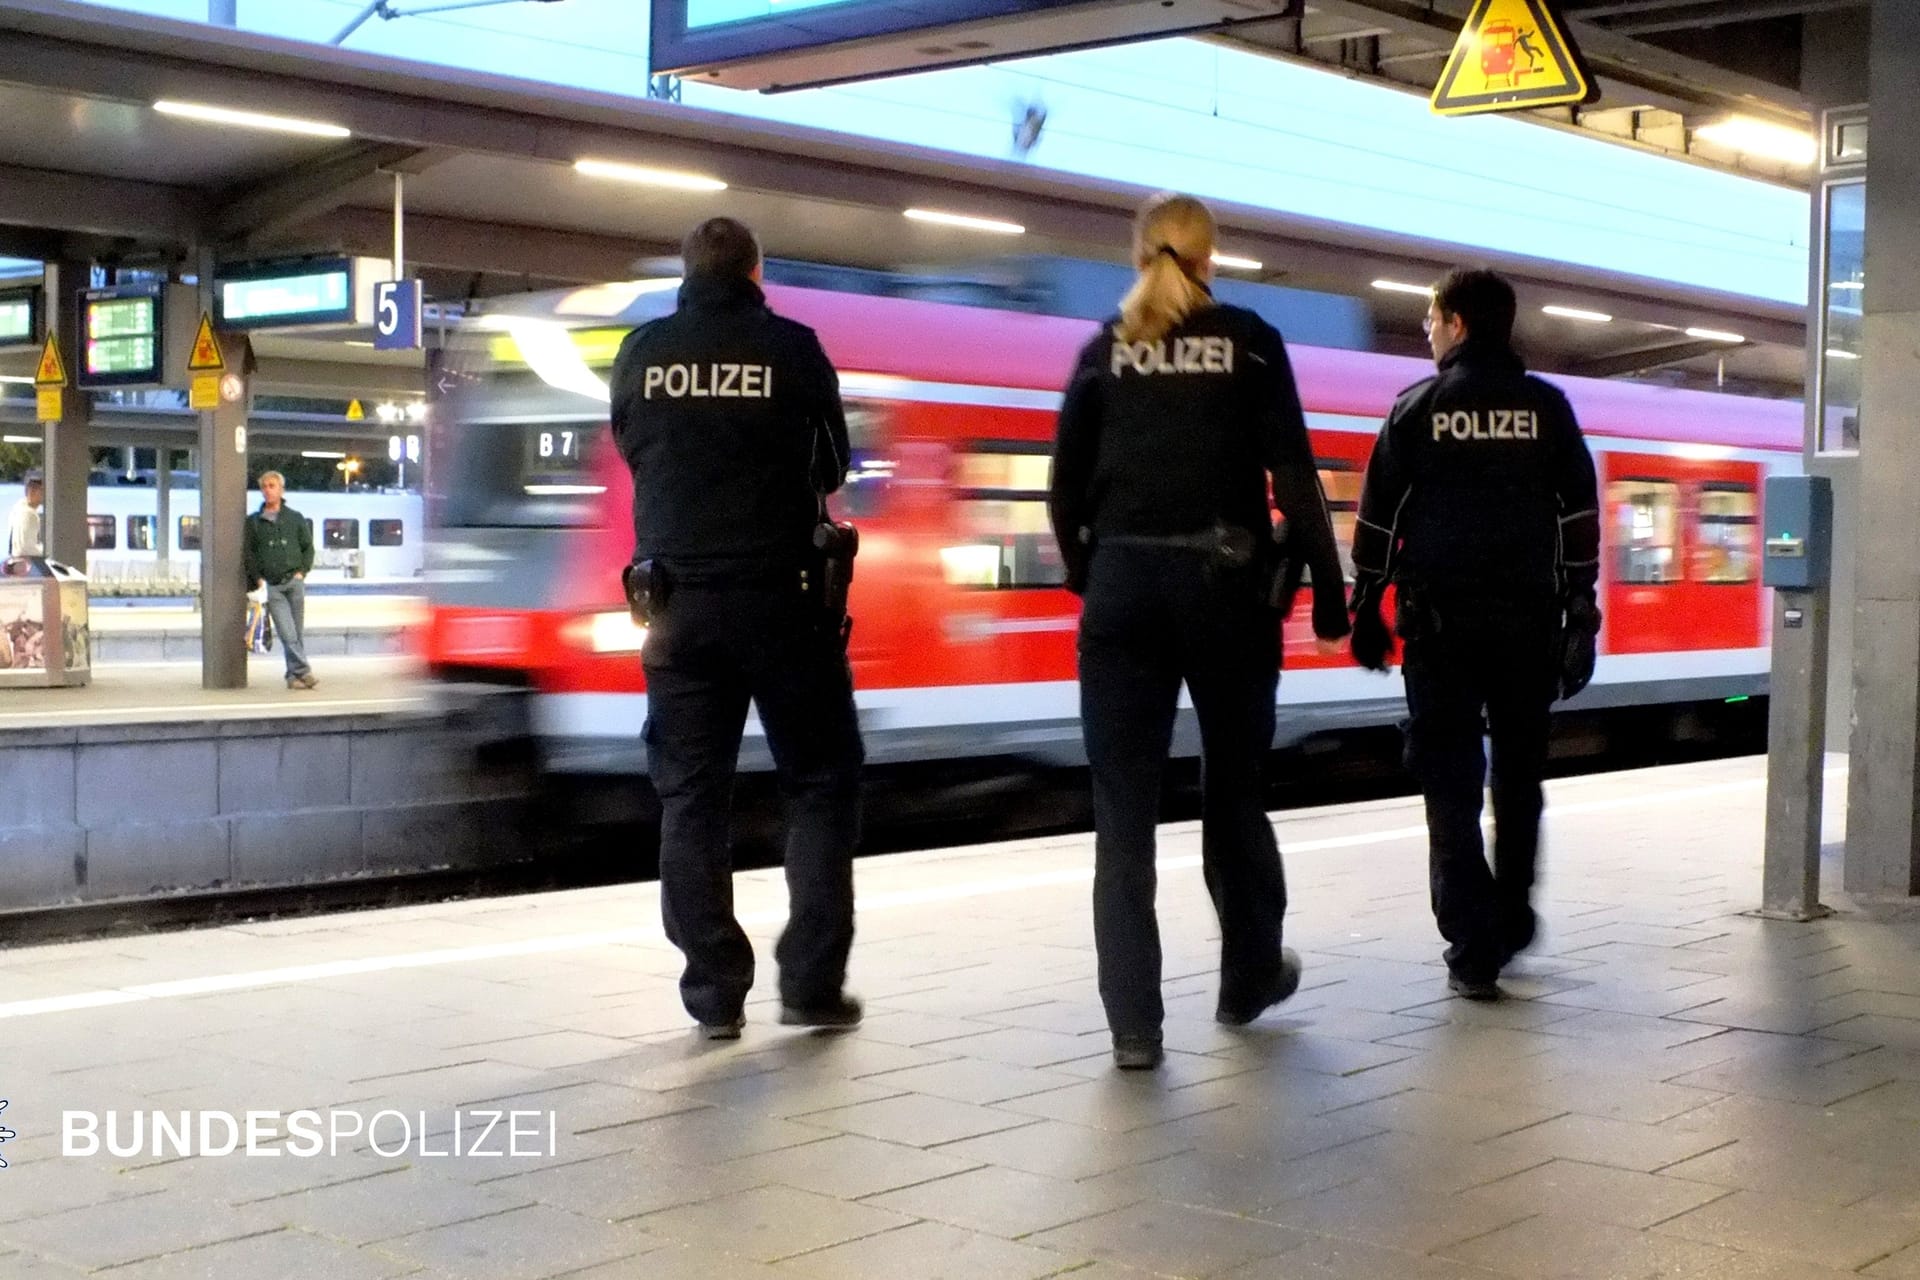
column 612, row 632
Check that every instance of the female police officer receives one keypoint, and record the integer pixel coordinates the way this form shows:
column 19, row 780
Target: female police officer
column 1177, row 413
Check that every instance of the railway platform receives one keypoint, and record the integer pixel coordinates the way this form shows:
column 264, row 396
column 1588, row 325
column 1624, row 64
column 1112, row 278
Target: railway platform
column 1674, row 1088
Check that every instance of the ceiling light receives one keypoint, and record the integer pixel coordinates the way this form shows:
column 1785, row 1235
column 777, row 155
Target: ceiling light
column 1835, row 353
column 1394, row 286
column 992, row 225
column 250, row 119
column 1715, row 335
column 1848, row 284
column 320, row 453
column 20, row 379
column 1575, row 313
column 648, row 176
column 1759, row 138
column 19, row 439
column 1233, row 263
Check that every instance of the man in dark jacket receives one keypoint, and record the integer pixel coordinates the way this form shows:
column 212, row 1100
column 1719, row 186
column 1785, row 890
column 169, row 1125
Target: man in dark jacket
column 731, row 421
column 279, row 556
column 1480, row 507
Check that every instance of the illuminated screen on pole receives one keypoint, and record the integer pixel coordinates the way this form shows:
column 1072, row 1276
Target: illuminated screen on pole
column 19, row 326
column 122, row 337
column 790, row 44
column 294, row 294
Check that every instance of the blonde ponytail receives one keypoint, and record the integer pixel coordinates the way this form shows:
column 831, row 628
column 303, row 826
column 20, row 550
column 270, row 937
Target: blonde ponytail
column 1173, row 248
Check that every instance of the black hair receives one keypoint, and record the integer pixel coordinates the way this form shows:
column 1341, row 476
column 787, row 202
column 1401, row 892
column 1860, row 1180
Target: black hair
column 720, row 247
column 1483, row 299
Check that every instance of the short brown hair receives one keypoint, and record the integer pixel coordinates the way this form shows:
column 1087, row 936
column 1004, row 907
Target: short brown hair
column 720, row 247
column 1483, row 299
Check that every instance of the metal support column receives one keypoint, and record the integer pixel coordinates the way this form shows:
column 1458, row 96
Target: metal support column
column 68, row 451
column 163, row 510
column 223, row 511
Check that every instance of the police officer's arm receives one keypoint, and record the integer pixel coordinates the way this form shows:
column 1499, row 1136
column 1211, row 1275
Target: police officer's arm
column 832, row 446
column 1288, row 454
column 1578, row 491
column 1376, row 531
column 626, row 367
column 1076, row 451
column 248, row 559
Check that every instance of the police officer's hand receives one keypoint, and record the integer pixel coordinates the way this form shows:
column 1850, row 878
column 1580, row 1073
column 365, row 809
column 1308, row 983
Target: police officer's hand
column 1579, row 644
column 1371, row 641
column 1328, row 648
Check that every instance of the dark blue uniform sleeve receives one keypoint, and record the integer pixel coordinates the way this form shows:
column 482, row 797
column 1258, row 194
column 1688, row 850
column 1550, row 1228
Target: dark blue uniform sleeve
column 1376, row 533
column 1287, row 453
column 1578, row 491
column 832, row 446
column 1076, row 453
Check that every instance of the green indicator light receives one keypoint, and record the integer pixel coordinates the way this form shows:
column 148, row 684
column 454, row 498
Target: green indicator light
column 1738, row 698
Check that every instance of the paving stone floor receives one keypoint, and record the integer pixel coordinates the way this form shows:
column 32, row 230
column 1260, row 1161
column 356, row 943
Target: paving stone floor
column 1677, row 1090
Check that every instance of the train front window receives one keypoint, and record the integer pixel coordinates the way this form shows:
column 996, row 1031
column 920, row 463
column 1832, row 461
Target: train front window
column 1646, row 534
column 870, row 468
column 1343, row 482
column 1009, row 544
column 1723, row 553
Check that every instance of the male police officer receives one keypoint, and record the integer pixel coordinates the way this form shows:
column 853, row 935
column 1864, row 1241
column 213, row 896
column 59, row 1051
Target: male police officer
column 730, row 418
column 1480, row 508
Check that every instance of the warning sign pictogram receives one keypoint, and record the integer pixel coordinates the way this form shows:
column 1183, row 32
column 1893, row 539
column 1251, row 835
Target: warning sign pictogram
column 53, row 370
column 206, row 357
column 1512, row 55
column 355, row 413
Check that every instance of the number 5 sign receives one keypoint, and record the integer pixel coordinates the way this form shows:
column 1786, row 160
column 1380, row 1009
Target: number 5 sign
column 396, row 315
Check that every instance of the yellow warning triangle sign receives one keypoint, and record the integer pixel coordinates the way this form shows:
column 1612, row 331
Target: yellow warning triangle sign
column 1511, row 56
column 206, row 357
column 355, row 413
column 53, row 370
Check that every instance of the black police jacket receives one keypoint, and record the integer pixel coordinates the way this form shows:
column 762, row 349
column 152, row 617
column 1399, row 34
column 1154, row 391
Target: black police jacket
column 730, row 418
column 1172, row 437
column 1480, row 484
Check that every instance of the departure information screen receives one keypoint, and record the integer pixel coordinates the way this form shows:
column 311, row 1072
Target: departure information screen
column 713, row 13
column 16, row 318
column 123, row 338
column 324, row 295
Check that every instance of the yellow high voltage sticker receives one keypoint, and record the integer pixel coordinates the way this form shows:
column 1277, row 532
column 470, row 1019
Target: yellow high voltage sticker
column 1512, row 55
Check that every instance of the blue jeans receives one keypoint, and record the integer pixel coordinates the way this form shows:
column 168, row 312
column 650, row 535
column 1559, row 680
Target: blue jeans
column 287, row 606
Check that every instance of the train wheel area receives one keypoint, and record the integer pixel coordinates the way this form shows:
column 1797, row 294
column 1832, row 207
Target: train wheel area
column 441, row 1086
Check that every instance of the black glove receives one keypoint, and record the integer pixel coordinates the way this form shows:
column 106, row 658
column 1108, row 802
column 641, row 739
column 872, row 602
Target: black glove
column 1371, row 641
column 1579, row 644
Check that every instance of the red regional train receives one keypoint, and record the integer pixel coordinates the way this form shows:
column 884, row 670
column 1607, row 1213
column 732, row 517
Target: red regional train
column 963, row 643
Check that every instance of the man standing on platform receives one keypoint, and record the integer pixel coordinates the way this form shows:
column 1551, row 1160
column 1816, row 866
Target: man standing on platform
column 23, row 528
column 279, row 556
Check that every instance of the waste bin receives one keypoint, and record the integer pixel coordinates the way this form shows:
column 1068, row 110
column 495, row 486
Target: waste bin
column 44, row 638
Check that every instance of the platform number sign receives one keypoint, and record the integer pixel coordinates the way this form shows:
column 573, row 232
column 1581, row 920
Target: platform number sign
column 396, row 315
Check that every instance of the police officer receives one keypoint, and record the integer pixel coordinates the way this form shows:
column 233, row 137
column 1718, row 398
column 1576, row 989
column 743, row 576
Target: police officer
column 730, row 418
column 1480, row 509
column 1177, row 413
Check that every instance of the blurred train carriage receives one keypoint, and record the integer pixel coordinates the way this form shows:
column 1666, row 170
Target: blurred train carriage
column 963, row 644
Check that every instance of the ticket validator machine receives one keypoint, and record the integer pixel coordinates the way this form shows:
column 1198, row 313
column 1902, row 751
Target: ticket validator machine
column 1797, row 563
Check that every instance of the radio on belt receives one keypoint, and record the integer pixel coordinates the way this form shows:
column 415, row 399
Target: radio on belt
column 1799, row 533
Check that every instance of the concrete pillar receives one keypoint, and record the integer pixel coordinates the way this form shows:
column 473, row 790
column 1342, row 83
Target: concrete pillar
column 1883, row 838
column 223, row 513
column 163, row 510
column 68, row 452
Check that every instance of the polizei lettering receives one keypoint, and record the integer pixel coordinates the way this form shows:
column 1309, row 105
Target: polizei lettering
column 1495, row 424
column 709, row 381
column 1182, row 355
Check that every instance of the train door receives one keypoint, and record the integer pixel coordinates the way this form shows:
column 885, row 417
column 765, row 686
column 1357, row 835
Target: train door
column 1679, row 554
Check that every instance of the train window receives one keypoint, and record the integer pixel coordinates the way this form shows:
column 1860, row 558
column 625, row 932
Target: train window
column 1343, row 483
column 870, row 470
column 385, row 533
column 340, row 535
column 189, row 533
column 1002, row 492
column 1723, row 553
column 1646, row 534
column 139, row 533
column 101, row 534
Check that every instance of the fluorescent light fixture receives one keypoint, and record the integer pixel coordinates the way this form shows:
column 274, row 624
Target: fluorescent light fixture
column 1835, row 353
column 17, row 379
column 1715, row 335
column 1233, row 263
column 1760, row 138
column 19, row 439
column 1396, row 286
column 320, row 453
column 965, row 222
column 1842, row 285
column 351, row 343
column 250, row 119
column 563, row 490
column 648, row 176
column 1575, row 313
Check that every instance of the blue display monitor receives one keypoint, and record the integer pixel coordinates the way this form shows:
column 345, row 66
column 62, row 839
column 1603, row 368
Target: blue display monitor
column 286, row 294
column 792, row 44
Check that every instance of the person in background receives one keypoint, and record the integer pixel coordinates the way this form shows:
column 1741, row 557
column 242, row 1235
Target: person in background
column 279, row 556
column 24, row 536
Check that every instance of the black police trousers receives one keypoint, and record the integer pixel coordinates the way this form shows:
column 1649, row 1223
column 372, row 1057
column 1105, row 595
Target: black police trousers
column 710, row 650
column 1477, row 667
column 1154, row 617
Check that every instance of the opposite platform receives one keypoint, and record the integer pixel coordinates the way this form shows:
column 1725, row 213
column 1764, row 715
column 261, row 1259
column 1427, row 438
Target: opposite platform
column 1681, row 1091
